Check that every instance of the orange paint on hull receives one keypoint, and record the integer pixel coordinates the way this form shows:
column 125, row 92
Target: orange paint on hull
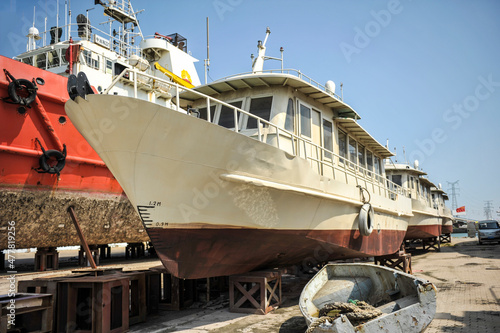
column 36, row 201
column 20, row 151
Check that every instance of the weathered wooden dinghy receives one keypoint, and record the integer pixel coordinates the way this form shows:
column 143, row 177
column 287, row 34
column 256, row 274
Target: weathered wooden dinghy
column 367, row 298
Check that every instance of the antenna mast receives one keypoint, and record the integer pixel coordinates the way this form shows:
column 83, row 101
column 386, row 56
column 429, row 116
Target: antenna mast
column 207, row 61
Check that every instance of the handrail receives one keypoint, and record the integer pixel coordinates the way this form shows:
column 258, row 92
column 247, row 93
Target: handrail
column 123, row 48
column 290, row 71
column 343, row 163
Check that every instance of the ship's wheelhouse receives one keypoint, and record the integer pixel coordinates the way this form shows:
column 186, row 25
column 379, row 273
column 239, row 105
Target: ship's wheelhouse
column 300, row 119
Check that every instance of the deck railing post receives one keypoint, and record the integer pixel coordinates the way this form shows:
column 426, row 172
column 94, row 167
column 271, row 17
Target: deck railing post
column 177, row 96
column 235, row 120
column 209, row 114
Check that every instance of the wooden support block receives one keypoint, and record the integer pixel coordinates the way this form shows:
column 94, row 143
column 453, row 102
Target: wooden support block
column 82, row 256
column 445, row 238
column 176, row 293
column 137, row 297
column 135, row 250
column 432, row 243
column 104, row 251
column 255, row 292
column 46, row 259
column 400, row 260
column 33, row 313
column 94, row 304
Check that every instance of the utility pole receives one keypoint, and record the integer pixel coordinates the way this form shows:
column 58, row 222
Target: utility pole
column 488, row 209
column 454, row 193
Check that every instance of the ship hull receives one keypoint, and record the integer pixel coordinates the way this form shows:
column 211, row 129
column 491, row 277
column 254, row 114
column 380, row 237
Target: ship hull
column 447, row 221
column 37, row 201
column 198, row 253
column 425, row 222
column 216, row 202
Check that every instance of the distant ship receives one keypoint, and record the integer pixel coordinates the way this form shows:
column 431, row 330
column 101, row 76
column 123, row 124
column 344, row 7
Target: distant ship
column 426, row 221
column 46, row 165
column 258, row 170
column 439, row 198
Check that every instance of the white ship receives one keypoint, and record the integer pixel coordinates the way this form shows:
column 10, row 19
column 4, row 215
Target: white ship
column 262, row 169
column 426, row 221
column 439, row 198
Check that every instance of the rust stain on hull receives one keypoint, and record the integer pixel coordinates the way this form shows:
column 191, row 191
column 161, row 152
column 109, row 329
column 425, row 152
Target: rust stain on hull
column 423, row 231
column 200, row 253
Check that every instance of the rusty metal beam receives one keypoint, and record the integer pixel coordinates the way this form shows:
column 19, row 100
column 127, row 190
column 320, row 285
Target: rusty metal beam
column 86, row 247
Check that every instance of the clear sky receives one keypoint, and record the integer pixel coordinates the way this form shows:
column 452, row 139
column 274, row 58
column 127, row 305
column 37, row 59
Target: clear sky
column 424, row 75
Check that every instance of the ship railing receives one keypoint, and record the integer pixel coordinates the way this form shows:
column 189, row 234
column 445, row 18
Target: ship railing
column 324, row 161
column 289, row 71
column 84, row 31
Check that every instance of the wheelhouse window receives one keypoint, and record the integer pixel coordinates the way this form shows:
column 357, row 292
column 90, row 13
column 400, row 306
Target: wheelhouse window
column 260, row 107
column 41, row 61
column 396, row 179
column 305, row 120
column 342, row 145
column 352, row 151
column 91, row 59
column 203, row 112
column 54, row 58
column 361, row 156
column 328, row 137
column 290, row 117
column 376, row 165
column 226, row 117
column 369, row 160
column 109, row 67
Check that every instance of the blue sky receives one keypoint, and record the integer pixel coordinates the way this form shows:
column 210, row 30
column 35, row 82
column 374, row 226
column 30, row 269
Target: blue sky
column 423, row 74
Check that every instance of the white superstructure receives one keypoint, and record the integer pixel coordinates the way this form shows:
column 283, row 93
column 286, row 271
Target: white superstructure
column 103, row 56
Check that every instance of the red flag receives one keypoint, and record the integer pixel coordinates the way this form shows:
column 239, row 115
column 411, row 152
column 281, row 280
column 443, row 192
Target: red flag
column 461, row 209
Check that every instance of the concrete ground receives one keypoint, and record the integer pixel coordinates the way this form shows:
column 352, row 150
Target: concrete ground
column 466, row 275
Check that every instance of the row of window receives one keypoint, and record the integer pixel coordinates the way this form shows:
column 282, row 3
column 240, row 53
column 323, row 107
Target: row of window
column 53, row 58
column 224, row 115
column 413, row 184
column 309, row 125
column 357, row 154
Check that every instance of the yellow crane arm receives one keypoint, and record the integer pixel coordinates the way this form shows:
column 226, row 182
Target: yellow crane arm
column 173, row 77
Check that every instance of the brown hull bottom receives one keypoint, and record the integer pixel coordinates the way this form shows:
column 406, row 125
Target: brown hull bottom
column 423, row 231
column 200, row 253
column 447, row 229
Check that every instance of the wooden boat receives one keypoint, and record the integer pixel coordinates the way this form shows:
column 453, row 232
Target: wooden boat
column 402, row 302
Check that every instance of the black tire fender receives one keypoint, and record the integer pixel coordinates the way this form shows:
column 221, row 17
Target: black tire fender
column 19, row 84
column 366, row 219
column 47, row 155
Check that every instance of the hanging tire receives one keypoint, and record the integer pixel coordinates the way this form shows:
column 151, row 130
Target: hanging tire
column 366, row 219
column 46, row 156
column 20, row 84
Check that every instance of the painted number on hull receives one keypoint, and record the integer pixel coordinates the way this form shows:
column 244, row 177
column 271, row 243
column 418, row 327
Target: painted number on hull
column 155, row 203
column 145, row 214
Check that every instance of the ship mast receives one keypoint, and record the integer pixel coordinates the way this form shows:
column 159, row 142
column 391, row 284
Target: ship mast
column 122, row 12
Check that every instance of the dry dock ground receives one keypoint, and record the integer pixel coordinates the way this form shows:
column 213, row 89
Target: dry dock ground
column 467, row 276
